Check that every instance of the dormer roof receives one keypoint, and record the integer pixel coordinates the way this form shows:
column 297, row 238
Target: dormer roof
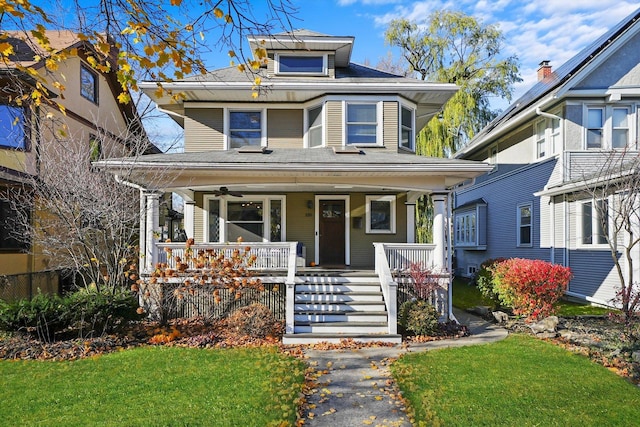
column 306, row 41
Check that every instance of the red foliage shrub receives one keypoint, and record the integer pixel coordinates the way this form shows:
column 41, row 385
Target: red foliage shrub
column 530, row 287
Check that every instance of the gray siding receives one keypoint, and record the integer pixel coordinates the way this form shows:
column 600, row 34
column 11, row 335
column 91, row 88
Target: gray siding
column 503, row 195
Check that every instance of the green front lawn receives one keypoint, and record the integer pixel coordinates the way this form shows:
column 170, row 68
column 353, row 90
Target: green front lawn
column 154, row 386
column 520, row 381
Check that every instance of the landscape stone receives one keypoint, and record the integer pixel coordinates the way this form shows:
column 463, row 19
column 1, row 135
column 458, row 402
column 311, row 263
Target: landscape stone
column 500, row 316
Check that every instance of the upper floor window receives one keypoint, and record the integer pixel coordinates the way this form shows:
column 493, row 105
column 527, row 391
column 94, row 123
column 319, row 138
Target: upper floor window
column 547, row 137
column 301, row 64
column 594, row 222
column 245, row 128
column 314, row 130
column 608, row 127
column 88, row 84
column 362, row 123
column 525, row 229
column 12, row 127
column 541, row 142
column 407, row 137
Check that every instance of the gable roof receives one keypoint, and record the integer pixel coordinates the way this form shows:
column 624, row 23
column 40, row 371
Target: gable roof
column 550, row 88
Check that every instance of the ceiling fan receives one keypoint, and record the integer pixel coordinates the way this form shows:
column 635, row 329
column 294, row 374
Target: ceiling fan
column 224, row 191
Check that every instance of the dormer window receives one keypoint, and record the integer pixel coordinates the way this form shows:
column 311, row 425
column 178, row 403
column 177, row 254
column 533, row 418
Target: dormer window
column 301, row 64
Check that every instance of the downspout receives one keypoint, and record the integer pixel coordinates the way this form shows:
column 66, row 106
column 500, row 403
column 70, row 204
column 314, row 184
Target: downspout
column 539, row 112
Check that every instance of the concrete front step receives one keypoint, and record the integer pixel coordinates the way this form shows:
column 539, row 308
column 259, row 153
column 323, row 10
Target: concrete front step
column 337, row 297
column 350, row 306
column 341, row 327
column 336, row 338
column 356, row 317
column 338, row 287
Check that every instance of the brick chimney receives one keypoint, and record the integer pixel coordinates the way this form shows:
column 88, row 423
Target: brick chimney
column 544, row 71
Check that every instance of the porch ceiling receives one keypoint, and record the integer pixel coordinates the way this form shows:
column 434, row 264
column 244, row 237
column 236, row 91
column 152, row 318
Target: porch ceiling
column 295, row 170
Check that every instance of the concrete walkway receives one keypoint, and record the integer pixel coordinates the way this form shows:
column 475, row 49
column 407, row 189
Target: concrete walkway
column 355, row 387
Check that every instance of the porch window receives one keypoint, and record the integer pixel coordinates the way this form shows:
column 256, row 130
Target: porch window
column 381, row 214
column 12, row 127
column 314, row 131
column 407, row 137
column 594, row 222
column 88, row 84
column 362, row 123
column 525, row 229
column 245, row 128
column 245, row 219
column 214, row 220
column 276, row 220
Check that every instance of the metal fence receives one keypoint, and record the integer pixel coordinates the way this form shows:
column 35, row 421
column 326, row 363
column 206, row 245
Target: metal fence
column 19, row 286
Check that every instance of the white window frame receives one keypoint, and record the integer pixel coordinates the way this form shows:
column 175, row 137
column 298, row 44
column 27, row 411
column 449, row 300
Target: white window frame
column 227, row 124
column 307, row 133
column 466, row 228
column 325, row 66
column 607, row 125
column 379, row 121
column 392, row 207
column 595, row 222
column 401, row 127
column 266, row 217
column 520, row 225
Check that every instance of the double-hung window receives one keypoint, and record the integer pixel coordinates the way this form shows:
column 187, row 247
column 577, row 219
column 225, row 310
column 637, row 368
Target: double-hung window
column 525, row 225
column 547, row 137
column 608, row 127
column 594, row 222
column 361, row 123
column 245, row 128
column 407, row 136
column 12, row 127
column 541, row 141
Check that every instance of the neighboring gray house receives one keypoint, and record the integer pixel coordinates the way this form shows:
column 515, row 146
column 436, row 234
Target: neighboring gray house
column 533, row 203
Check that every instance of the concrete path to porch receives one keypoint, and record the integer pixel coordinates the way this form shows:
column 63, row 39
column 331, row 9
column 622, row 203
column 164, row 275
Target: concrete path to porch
column 355, row 387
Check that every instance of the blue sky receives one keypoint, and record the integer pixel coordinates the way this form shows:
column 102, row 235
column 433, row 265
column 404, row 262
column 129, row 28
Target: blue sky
column 552, row 30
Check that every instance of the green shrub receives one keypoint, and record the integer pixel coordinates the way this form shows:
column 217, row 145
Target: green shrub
column 87, row 312
column 530, row 287
column 484, row 280
column 419, row 317
column 255, row 321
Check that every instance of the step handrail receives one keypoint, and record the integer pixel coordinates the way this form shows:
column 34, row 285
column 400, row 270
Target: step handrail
column 389, row 287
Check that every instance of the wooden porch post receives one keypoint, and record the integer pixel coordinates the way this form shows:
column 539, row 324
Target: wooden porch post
column 153, row 219
column 189, row 218
column 411, row 222
column 439, row 235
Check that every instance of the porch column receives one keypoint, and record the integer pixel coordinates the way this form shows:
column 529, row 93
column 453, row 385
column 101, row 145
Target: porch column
column 153, row 219
column 189, row 218
column 411, row 222
column 142, row 239
column 439, row 235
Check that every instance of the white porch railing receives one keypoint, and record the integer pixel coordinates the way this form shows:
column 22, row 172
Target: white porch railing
column 393, row 263
column 389, row 286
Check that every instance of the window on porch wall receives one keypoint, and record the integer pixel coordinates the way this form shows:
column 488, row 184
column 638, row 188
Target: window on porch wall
column 247, row 218
column 594, row 222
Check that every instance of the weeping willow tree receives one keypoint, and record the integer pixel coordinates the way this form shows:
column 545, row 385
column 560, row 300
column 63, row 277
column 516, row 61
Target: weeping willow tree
column 451, row 47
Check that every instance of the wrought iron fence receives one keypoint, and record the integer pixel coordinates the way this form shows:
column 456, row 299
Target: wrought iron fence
column 18, row 286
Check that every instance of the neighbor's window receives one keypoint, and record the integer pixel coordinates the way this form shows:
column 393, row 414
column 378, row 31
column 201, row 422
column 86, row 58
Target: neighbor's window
column 594, row 222
column 541, row 129
column 245, row 128
column 88, row 84
column 381, row 214
column 608, row 127
column 620, row 128
column 406, row 128
column 466, row 229
column 10, row 221
column 314, row 133
column 12, row 127
column 301, row 64
column 525, row 229
column 95, row 149
column 595, row 127
column 362, row 123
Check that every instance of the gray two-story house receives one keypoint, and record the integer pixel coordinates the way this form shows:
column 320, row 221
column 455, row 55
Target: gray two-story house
column 538, row 200
column 322, row 159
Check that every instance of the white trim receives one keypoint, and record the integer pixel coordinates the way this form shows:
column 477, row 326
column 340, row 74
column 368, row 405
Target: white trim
column 519, row 225
column 325, row 63
column 392, row 207
column 347, row 222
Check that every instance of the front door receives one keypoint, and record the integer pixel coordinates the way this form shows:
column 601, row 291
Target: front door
column 331, row 228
